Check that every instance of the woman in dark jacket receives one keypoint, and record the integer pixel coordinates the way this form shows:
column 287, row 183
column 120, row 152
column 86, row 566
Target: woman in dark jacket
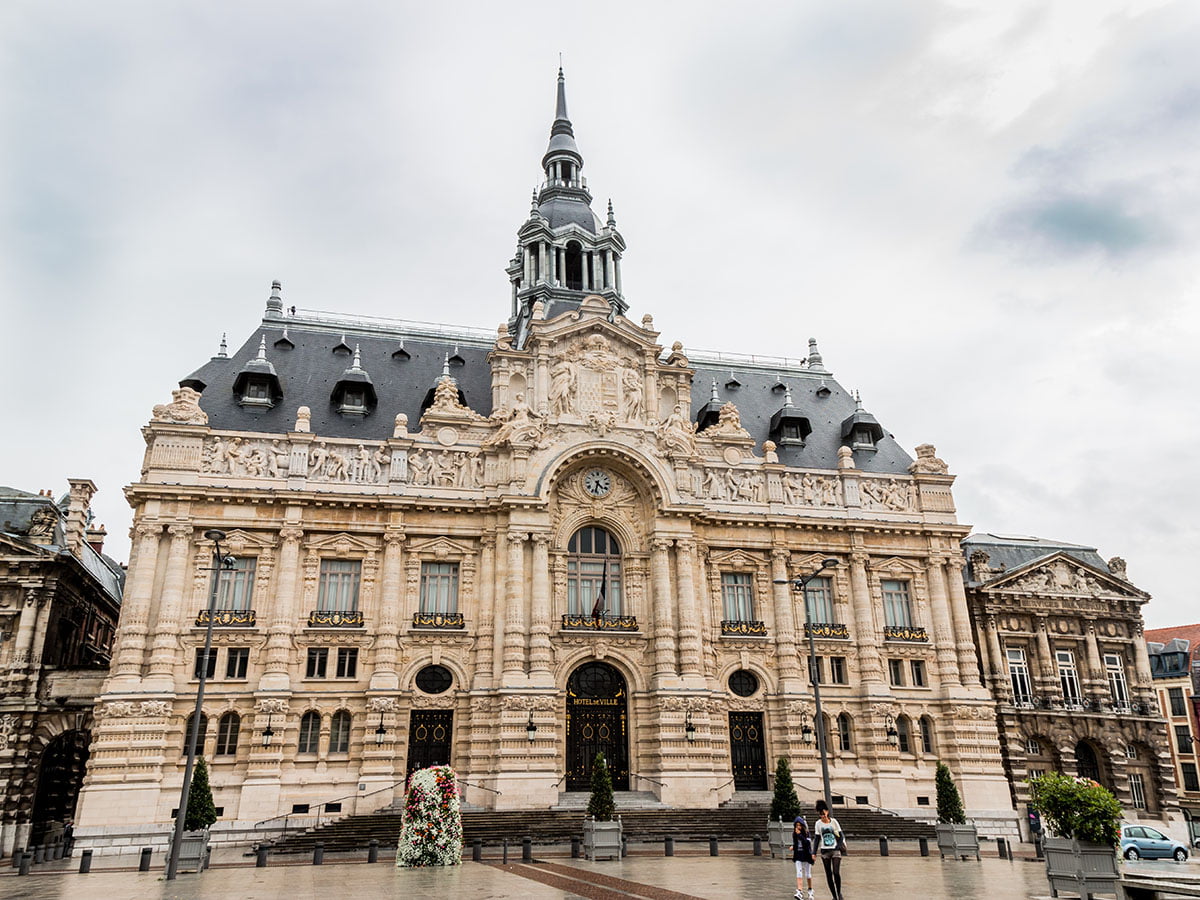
column 802, row 854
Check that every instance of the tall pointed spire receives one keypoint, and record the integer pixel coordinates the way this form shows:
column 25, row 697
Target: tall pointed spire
column 562, row 149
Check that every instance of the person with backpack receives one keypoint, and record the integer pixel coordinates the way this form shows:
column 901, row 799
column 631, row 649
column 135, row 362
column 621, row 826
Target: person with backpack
column 802, row 854
column 832, row 845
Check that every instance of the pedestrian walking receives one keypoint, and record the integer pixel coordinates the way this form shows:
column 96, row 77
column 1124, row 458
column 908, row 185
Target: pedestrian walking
column 802, row 854
column 832, row 845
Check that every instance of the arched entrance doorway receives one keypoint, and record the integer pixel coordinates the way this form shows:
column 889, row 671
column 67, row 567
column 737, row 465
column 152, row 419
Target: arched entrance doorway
column 60, row 777
column 597, row 722
column 1087, row 765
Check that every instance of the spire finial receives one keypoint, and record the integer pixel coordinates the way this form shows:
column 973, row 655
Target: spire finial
column 446, row 366
column 223, row 352
column 533, row 205
column 262, row 347
column 787, row 395
column 612, row 219
column 275, row 301
column 715, row 398
column 814, row 355
column 857, row 401
column 357, row 359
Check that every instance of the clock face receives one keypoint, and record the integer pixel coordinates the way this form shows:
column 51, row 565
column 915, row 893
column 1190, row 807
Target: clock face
column 597, row 482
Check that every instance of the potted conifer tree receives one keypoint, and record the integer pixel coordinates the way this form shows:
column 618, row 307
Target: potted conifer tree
column 201, row 814
column 601, row 835
column 1085, row 819
column 955, row 835
column 785, row 806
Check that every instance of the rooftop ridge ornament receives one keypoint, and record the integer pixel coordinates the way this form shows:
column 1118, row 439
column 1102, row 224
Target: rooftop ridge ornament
column 612, row 219
column 262, row 347
column 714, row 397
column 814, row 355
column 275, row 301
column 787, row 395
column 223, row 350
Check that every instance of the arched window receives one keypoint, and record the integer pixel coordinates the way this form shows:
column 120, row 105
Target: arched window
column 845, row 730
column 903, row 735
column 574, row 266
column 227, row 734
column 1086, row 763
column 594, row 573
column 187, row 733
column 339, row 732
column 927, row 744
column 310, row 732
column 826, row 730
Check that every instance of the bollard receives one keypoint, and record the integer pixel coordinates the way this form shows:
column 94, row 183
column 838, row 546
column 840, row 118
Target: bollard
column 39, row 854
column 712, row 845
column 85, row 862
column 373, row 851
column 16, row 858
column 144, row 860
column 26, row 861
column 574, row 848
column 477, row 849
column 207, row 857
column 526, row 849
column 504, row 844
column 1037, row 848
column 1002, row 848
column 668, row 846
column 883, row 846
column 758, row 846
column 923, row 843
column 624, row 846
column 318, row 854
column 58, row 850
column 260, row 856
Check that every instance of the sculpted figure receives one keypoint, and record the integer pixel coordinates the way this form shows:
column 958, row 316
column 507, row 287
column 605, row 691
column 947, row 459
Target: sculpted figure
column 316, row 460
column 418, row 464
column 303, row 419
column 336, row 465
column 562, row 388
column 183, row 408
column 793, row 492
column 632, row 405
column 713, row 487
column 279, row 461
column 445, row 469
column 829, row 491
column 927, row 462
column 219, row 461
column 677, row 434
column 362, row 471
column 42, row 522
column 379, row 462
column 233, row 454
column 256, row 462
column 476, row 467
column 519, row 424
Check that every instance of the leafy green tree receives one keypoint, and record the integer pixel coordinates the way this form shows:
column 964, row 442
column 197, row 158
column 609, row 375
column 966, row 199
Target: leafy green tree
column 201, row 813
column 600, row 805
column 785, row 804
column 1076, row 808
column 949, row 804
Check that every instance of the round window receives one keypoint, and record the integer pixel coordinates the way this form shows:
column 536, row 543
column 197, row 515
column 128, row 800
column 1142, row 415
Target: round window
column 434, row 679
column 743, row 683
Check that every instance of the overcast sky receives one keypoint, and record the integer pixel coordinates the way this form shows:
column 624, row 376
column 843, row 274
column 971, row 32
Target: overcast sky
column 987, row 213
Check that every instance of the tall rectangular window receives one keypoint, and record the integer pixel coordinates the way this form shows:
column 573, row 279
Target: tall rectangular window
column 816, row 670
column 212, row 663
column 1117, row 685
column 917, row 667
column 588, row 578
column 837, row 670
column 338, row 590
column 347, row 662
column 1018, row 673
column 234, row 586
column 896, row 672
column 1183, row 740
column 1178, row 706
column 236, row 660
column 737, row 596
column 1068, row 677
column 439, row 587
column 1137, row 790
column 818, row 599
column 897, row 604
column 1190, row 781
column 318, row 662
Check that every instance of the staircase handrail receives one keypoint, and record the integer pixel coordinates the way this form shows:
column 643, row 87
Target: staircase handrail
column 327, row 802
column 647, row 778
column 722, row 784
column 481, row 787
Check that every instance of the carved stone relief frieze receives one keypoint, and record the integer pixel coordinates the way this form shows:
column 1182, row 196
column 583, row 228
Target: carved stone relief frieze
column 447, row 468
column 530, row 704
column 8, row 730
column 275, row 705
column 718, row 483
column 887, row 494
column 1062, row 577
column 810, row 490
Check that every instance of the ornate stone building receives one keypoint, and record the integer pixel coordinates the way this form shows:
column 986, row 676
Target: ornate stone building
column 1175, row 665
column 1060, row 638
column 511, row 550
column 59, row 602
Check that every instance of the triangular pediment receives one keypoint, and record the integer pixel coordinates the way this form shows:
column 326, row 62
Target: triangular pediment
column 341, row 545
column 14, row 545
column 627, row 341
column 441, row 548
column 736, row 559
column 896, row 565
column 1060, row 573
column 238, row 541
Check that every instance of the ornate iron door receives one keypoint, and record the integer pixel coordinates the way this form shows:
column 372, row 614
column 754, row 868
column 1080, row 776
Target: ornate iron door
column 596, row 723
column 429, row 733
column 747, row 751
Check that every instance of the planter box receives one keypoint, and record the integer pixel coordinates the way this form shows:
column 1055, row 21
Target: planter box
column 601, row 839
column 779, row 835
column 957, row 840
column 1080, row 867
column 192, row 850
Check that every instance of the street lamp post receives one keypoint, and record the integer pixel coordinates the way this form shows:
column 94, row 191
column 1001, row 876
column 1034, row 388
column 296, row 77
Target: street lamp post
column 219, row 562
column 799, row 585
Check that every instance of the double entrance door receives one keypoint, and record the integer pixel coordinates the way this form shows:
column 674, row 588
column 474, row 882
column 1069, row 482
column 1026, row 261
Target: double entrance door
column 429, row 734
column 747, row 751
column 597, row 722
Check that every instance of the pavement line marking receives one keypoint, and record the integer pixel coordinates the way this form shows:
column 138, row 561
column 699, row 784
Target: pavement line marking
column 633, row 888
column 576, row 886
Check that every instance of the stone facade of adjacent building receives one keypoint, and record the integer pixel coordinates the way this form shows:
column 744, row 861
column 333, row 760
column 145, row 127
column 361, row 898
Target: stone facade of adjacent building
column 59, row 603
column 1175, row 665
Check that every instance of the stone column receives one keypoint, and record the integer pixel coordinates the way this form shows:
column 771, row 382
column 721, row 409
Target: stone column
column 384, row 676
column 690, row 661
column 19, row 661
column 1045, row 670
column 968, row 666
column 785, row 624
column 514, row 606
column 485, row 653
column 1141, row 662
column 939, row 604
column 865, row 635
column 999, row 666
column 283, row 613
column 1096, row 672
column 539, row 630
column 553, row 257
column 664, row 629
column 135, row 606
column 166, row 628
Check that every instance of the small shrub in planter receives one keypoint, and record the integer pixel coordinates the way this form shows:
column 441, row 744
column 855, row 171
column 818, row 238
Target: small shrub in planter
column 785, row 806
column 955, row 836
column 1086, row 821
column 200, row 816
column 601, row 835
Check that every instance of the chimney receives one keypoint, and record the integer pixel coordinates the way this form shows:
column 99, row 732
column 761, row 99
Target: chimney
column 82, row 491
column 95, row 538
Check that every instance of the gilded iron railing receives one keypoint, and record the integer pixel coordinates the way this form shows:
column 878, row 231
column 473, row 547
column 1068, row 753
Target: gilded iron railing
column 827, row 629
column 439, row 620
column 228, row 618
column 905, row 633
column 580, row 622
column 744, row 626
column 336, row 618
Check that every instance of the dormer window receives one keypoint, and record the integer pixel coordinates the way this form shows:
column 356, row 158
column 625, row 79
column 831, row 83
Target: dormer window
column 789, row 425
column 257, row 391
column 256, row 385
column 353, row 400
column 790, row 431
column 863, row 439
column 354, row 395
column 861, row 429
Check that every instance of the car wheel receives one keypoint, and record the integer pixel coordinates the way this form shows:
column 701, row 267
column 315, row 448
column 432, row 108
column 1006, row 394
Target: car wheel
column 1180, row 855
column 1132, row 853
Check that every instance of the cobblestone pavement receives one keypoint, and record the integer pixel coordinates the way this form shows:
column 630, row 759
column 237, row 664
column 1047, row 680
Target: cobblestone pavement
column 649, row 877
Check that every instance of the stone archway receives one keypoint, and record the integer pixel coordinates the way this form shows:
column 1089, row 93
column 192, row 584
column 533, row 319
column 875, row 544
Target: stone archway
column 597, row 722
column 1088, row 764
column 60, row 776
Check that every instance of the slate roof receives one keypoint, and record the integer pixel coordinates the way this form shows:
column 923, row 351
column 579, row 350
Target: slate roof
column 309, row 370
column 1189, row 633
column 1014, row 551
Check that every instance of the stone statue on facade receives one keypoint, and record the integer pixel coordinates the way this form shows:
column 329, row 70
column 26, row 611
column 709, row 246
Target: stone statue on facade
column 562, row 388
column 184, row 408
column 632, row 406
column 519, row 425
column 677, row 434
column 729, row 423
column 303, row 420
column 927, row 462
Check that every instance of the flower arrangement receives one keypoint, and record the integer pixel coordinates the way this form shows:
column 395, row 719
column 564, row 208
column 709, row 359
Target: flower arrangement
column 431, row 834
column 1076, row 808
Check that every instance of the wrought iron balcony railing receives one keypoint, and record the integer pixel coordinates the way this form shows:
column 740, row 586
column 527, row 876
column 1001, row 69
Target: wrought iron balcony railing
column 827, row 630
column 439, row 620
column 336, row 618
column 747, row 627
column 910, row 633
column 581, row 622
column 227, row 618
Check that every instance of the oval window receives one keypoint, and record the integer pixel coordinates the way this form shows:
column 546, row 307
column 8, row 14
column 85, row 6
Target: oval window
column 434, row 679
column 743, row 683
